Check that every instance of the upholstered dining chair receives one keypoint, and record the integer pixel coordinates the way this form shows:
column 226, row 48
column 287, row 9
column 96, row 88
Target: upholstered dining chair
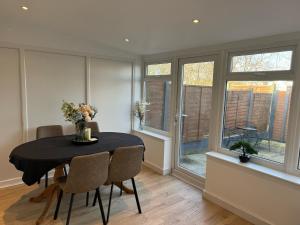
column 126, row 163
column 86, row 173
column 94, row 126
column 49, row 131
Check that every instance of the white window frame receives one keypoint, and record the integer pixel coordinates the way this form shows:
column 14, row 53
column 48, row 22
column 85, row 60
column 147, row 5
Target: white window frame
column 292, row 142
column 278, row 73
column 162, row 78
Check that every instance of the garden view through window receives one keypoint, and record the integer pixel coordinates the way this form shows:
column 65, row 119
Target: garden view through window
column 258, row 112
column 270, row 61
column 196, row 101
column 158, row 69
column 158, row 95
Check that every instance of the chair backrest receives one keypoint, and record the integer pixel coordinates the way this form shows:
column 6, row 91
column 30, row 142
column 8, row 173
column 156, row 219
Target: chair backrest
column 87, row 172
column 125, row 163
column 94, row 126
column 49, row 131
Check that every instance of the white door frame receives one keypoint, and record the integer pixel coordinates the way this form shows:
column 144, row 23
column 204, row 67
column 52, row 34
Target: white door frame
column 189, row 176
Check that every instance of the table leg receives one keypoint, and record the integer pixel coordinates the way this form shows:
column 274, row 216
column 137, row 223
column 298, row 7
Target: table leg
column 49, row 194
column 124, row 188
column 50, row 200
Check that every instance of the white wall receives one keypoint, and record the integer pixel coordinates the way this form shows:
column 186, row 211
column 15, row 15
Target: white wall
column 110, row 93
column 35, row 81
column 52, row 78
column 256, row 196
column 10, row 113
column 158, row 151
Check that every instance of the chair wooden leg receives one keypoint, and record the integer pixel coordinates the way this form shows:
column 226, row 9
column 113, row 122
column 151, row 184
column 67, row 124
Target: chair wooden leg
column 121, row 189
column 58, row 204
column 109, row 203
column 95, row 199
column 87, row 199
column 101, row 206
column 136, row 195
column 46, row 180
column 70, row 209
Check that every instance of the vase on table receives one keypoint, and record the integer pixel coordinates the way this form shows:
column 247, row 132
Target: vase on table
column 80, row 130
column 141, row 125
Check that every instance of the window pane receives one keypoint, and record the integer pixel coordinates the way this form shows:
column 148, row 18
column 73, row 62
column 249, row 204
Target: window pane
column 271, row 61
column 159, row 69
column 158, row 95
column 257, row 112
column 196, row 112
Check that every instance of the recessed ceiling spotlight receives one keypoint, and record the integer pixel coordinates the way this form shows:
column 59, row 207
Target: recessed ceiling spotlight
column 126, row 40
column 25, row 8
column 196, row 21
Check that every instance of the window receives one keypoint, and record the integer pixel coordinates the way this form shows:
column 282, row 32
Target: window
column 257, row 108
column 158, row 69
column 257, row 112
column 262, row 62
column 157, row 93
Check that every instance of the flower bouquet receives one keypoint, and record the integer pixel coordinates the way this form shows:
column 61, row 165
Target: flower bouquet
column 140, row 110
column 79, row 115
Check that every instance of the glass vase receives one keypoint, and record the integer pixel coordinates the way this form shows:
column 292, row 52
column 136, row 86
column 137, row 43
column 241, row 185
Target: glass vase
column 141, row 125
column 80, row 130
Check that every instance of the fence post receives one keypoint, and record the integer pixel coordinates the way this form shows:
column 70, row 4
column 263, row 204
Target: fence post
column 250, row 108
column 199, row 114
column 166, row 106
column 272, row 113
column 285, row 112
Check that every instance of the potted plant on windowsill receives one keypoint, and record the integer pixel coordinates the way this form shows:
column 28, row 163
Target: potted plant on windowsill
column 246, row 149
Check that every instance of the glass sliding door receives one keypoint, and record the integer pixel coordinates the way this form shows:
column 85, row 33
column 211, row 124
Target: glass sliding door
column 194, row 114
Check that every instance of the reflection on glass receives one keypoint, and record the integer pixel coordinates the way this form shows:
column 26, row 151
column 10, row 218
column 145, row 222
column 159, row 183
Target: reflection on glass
column 271, row 61
column 257, row 112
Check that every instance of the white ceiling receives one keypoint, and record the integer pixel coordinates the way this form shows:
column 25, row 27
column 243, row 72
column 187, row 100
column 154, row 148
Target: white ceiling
column 153, row 26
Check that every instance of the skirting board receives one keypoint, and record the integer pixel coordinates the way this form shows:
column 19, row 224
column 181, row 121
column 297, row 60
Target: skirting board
column 18, row 181
column 156, row 168
column 11, row 182
column 188, row 179
column 234, row 209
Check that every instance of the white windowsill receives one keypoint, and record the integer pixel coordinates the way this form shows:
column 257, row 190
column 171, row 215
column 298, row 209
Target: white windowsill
column 152, row 134
column 257, row 168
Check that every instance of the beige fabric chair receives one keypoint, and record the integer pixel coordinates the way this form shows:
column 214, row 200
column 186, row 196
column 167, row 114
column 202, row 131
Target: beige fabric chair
column 86, row 173
column 49, row 131
column 126, row 163
column 94, row 126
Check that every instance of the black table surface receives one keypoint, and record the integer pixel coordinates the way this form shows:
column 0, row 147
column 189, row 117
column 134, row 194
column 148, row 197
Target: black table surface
column 35, row 158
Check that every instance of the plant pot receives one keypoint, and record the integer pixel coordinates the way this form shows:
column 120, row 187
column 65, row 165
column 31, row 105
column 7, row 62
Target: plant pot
column 244, row 158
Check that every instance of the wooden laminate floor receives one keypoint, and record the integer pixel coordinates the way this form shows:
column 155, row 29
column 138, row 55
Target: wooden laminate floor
column 165, row 200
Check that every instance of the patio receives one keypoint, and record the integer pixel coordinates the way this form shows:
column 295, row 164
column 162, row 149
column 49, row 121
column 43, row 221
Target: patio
column 193, row 155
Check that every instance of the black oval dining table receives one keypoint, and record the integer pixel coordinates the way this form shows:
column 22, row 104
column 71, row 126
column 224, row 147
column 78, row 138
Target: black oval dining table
column 35, row 158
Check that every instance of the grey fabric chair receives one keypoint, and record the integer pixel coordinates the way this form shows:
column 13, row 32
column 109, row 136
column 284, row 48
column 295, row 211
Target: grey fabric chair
column 86, row 173
column 94, row 126
column 126, row 163
column 49, row 131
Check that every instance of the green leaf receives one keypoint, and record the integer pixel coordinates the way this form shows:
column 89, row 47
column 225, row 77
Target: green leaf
column 244, row 146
